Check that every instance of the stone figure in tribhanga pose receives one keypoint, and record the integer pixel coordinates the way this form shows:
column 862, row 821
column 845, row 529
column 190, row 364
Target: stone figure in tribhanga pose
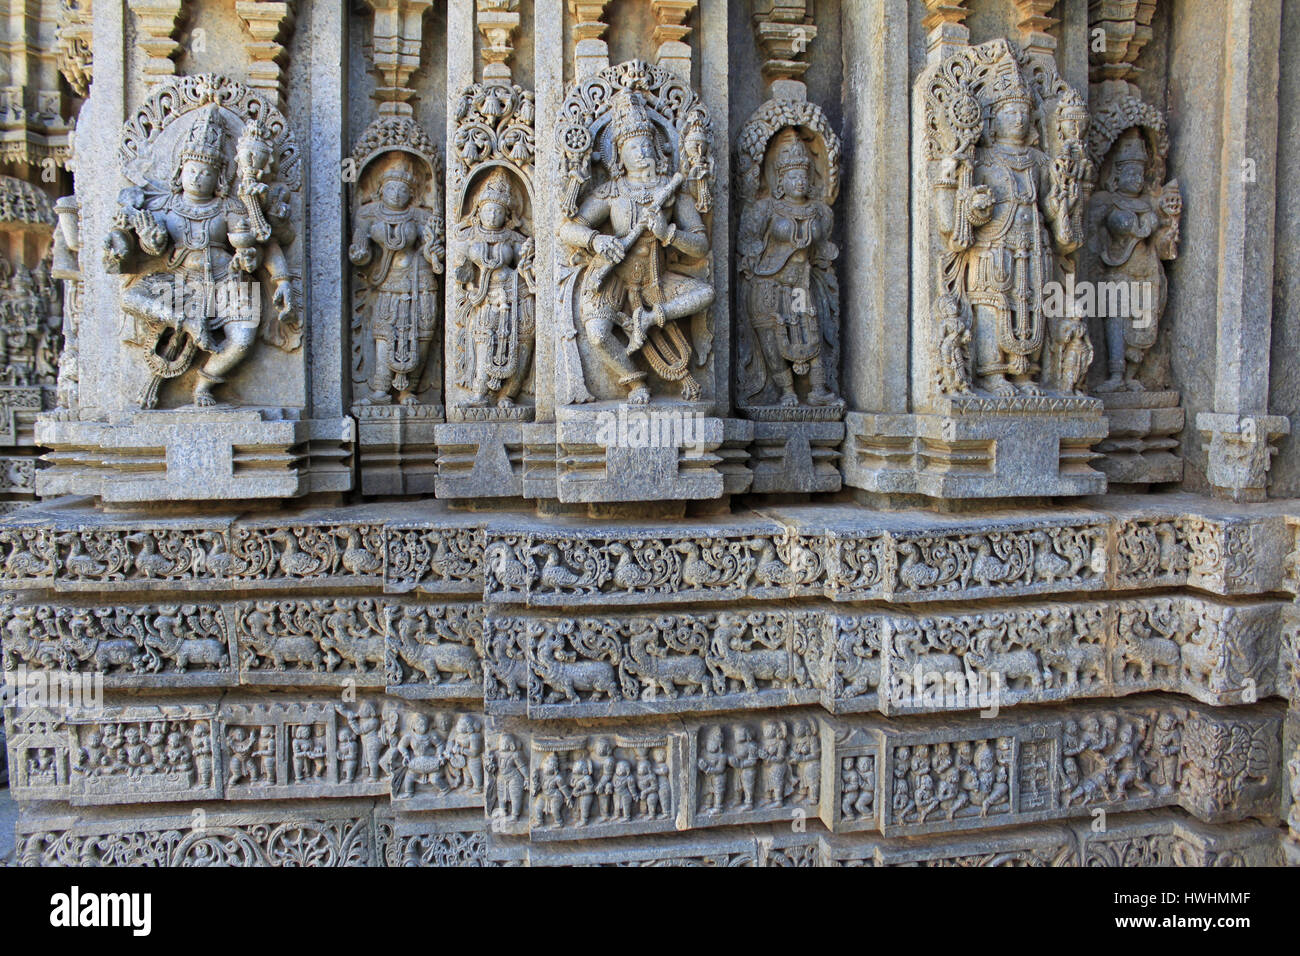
column 1133, row 228
column 639, row 244
column 788, row 333
column 493, row 263
column 397, row 246
column 491, row 250
column 1007, row 183
column 198, row 238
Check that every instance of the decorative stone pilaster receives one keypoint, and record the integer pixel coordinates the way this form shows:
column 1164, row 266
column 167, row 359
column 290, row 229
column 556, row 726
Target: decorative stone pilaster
column 270, row 24
column 398, row 39
column 1240, row 428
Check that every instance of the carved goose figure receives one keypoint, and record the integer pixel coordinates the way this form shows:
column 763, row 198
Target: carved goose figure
column 83, row 565
column 913, row 572
column 555, row 576
column 509, row 570
column 357, row 559
column 219, row 560
column 696, row 572
column 987, row 569
column 149, row 561
column 771, row 570
column 1050, row 565
column 292, row 561
column 627, row 573
column 23, row 564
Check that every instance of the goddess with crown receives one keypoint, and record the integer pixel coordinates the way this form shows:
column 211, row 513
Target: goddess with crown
column 401, row 244
column 205, row 237
column 785, row 253
column 1133, row 229
column 493, row 262
column 1006, row 210
column 629, row 283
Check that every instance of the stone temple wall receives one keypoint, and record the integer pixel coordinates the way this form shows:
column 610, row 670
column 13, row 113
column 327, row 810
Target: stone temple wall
column 650, row 432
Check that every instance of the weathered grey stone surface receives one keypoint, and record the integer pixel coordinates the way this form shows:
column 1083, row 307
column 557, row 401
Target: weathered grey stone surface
column 649, row 433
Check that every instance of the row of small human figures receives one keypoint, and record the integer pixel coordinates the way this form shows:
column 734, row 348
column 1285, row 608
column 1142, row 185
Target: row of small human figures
column 153, row 747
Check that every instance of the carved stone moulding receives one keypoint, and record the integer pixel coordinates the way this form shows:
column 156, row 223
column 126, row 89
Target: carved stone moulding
column 900, row 777
column 187, row 455
column 984, row 447
column 1143, row 444
column 1152, row 838
column 833, row 551
column 1149, row 838
column 267, row 835
column 617, row 452
column 446, row 838
column 1219, row 764
column 397, row 448
column 1240, row 450
column 934, row 661
column 482, row 459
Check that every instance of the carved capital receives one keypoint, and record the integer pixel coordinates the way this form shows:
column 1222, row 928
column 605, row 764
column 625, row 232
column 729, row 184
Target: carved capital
column 270, row 23
column 158, row 21
column 1240, row 449
column 398, row 35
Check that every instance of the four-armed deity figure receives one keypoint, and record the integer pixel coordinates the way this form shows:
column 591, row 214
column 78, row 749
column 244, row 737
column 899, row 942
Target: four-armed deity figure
column 1005, row 213
column 401, row 244
column 1133, row 227
column 785, row 252
column 628, row 282
column 208, row 240
column 494, row 264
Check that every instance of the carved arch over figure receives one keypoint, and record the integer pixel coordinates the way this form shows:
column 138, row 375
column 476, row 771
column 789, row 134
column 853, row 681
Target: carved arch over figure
column 758, row 175
column 492, row 149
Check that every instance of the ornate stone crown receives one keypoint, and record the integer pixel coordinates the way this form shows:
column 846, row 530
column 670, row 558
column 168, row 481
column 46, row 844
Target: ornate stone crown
column 630, row 118
column 400, row 171
column 206, row 141
column 791, row 153
column 1131, row 148
column 497, row 188
column 1007, row 86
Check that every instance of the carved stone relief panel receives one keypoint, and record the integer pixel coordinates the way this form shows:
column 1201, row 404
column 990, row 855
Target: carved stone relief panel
column 398, row 248
column 202, row 233
column 635, row 142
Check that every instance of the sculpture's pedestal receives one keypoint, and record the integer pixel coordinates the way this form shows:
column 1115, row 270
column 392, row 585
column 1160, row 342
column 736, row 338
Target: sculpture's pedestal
column 196, row 454
column 979, row 446
column 612, row 451
column 797, row 456
column 1142, row 447
column 397, row 447
column 481, row 459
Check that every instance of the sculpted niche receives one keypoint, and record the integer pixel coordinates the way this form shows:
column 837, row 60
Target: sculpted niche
column 1008, row 173
column 1133, row 229
column 788, row 330
column 635, row 144
column 491, row 255
column 397, row 247
column 202, row 232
